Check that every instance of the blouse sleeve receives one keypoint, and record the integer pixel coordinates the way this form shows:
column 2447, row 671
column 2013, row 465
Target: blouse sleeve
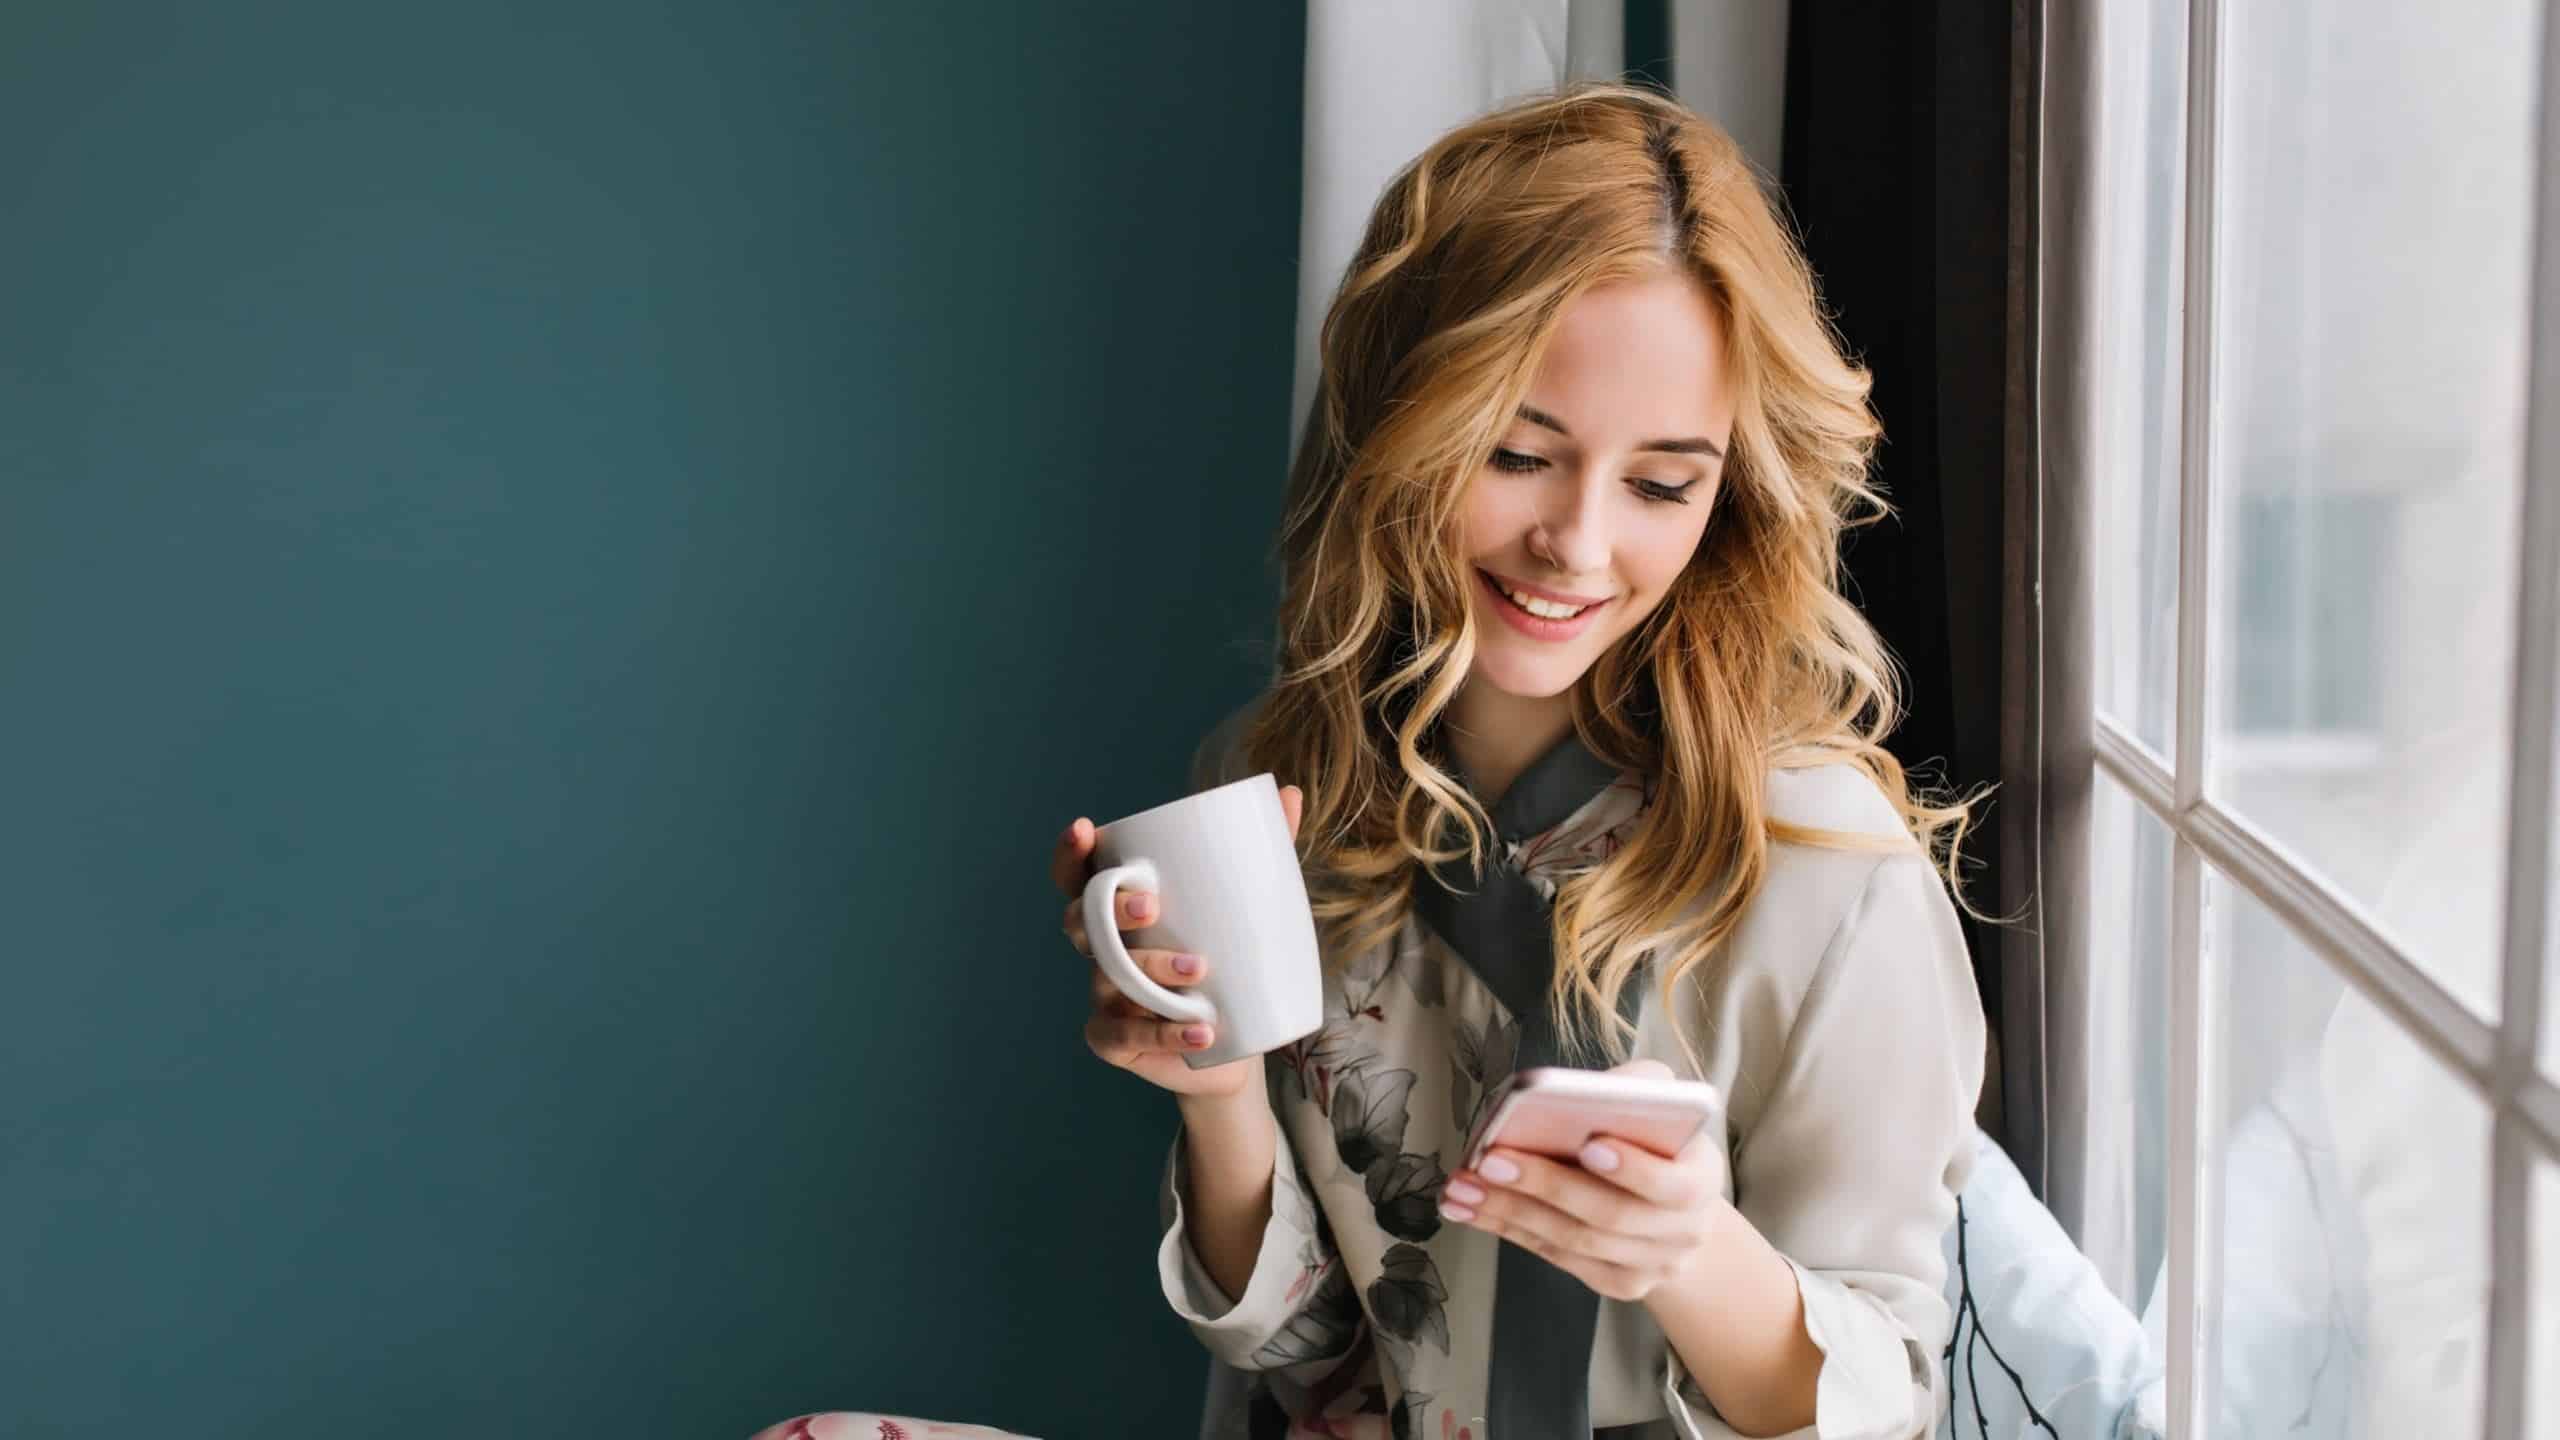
column 1298, row 1304
column 1851, row 1171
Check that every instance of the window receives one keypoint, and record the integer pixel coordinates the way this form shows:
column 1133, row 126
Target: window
column 2304, row 664
column 2328, row 628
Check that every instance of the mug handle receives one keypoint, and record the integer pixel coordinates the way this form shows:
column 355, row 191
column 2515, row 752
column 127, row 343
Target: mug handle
column 1102, row 932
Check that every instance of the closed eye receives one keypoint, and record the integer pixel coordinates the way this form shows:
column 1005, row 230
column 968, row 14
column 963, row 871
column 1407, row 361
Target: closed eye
column 1653, row 491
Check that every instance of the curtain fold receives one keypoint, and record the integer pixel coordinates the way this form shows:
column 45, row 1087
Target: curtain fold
column 1910, row 164
column 1385, row 80
column 2092, row 1100
column 2047, row 737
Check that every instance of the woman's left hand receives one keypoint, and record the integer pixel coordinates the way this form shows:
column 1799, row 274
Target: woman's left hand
column 1625, row 1222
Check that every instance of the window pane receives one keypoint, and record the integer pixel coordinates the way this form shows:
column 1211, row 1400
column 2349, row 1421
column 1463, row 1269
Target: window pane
column 2374, row 192
column 2354, row 1260
column 2136, row 394
column 2125, row 1207
column 2551, row 959
column 2542, row 1360
column 2551, row 1005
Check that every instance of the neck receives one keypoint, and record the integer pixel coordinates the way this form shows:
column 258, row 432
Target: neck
column 1495, row 736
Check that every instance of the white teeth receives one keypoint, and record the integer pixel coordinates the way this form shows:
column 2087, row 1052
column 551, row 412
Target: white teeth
column 1543, row 609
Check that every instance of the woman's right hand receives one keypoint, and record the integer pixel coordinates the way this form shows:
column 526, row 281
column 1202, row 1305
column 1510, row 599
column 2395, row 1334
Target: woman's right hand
column 1120, row 1030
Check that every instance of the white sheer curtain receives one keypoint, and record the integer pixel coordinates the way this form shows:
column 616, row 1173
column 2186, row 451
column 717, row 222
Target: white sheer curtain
column 1384, row 80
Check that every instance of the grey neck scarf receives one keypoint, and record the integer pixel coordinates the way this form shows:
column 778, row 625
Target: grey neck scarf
column 1538, row 1386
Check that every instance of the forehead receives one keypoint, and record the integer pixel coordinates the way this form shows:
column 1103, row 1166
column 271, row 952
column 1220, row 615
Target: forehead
column 1637, row 358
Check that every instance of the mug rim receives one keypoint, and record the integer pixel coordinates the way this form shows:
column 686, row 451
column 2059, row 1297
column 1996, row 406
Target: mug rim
column 1187, row 799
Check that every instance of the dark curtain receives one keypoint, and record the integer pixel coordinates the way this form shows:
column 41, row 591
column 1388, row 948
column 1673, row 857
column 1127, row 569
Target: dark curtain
column 1907, row 160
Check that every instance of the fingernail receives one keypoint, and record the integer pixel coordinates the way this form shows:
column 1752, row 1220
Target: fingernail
column 1141, row 906
column 1186, row 964
column 1463, row 1193
column 1456, row 1212
column 1597, row 1156
column 1195, row 1035
column 1498, row 1170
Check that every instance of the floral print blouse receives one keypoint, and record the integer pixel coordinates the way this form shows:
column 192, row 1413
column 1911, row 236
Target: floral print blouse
column 1842, row 1024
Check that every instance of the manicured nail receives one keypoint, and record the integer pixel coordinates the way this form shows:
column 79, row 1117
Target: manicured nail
column 1195, row 1035
column 1463, row 1193
column 1456, row 1211
column 1186, row 964
column 1141, row 906
column 1597, row 1156
column 1498, row 1170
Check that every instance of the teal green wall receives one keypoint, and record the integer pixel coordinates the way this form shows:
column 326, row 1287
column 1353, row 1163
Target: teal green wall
column 561, row 567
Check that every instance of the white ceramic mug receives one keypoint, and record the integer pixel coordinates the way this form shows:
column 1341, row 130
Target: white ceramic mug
column 1225, row 876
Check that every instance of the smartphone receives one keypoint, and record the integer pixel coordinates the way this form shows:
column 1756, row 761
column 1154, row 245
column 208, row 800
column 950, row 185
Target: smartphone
column 1555, row 1110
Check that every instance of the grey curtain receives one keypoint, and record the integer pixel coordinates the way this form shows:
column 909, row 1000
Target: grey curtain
column 2084, row 1173
column 1914, row 168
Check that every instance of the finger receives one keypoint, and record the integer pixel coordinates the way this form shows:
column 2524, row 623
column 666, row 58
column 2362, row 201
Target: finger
column 1108, row 1000
column 1162, row 966
column 1559, row 1233
column 1070, row 860
column 1137, row 909
column 1121, row 1040
column 1608, row 1264
column 1591, row 1203
column 1674, row 1184
column 1647, row 1067
column 1293, row 802
column 1134, row 909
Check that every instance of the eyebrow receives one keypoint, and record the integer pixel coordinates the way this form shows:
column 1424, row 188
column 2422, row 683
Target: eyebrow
column 1688, row 445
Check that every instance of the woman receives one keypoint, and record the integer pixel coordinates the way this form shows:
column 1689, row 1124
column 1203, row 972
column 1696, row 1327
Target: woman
column 1586, row 756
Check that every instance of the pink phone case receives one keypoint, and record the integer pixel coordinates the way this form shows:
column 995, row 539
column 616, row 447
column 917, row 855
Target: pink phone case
column 1556, row 1110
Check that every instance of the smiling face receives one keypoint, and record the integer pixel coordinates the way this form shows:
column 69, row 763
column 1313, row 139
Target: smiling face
column 1600, row 489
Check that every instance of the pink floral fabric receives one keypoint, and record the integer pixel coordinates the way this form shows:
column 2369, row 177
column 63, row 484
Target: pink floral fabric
column 853, row 1425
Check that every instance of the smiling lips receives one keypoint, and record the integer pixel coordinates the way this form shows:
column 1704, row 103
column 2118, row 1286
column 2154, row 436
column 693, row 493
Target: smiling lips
column 1522, row 589
column 1560, row 622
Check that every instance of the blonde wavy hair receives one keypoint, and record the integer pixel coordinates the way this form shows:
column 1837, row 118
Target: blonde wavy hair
column 1753, row 658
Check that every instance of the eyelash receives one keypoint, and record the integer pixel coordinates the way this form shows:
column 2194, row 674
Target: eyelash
column 1654, row 494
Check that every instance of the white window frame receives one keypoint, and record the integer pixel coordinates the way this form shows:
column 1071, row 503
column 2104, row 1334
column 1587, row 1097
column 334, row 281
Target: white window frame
column 2497, row 1061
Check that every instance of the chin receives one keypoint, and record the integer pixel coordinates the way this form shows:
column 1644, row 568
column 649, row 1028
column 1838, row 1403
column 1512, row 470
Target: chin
column 1525, row 682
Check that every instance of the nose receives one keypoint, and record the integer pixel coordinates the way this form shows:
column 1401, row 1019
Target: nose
column 1572, row 529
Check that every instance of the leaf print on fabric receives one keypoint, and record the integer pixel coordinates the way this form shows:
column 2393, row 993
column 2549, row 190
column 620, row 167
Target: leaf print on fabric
column 1412, row 1421
column 1308, row 1065
column 1368, row 970
column 1405, row 1194
column 1426, row 982
column 1316, row 1249
column 1413, row 1412
column 1369, row 1116
column 1324, row 1328
column 1479, row 1055
column 1354, row 992
column 1354, row 1001
column 1486, row 1050
column 1408, row 1298
column 1586, row 838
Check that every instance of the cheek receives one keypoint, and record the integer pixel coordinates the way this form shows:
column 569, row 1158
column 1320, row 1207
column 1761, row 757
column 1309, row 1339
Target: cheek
column 1479, row 528
column 1653, row 568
